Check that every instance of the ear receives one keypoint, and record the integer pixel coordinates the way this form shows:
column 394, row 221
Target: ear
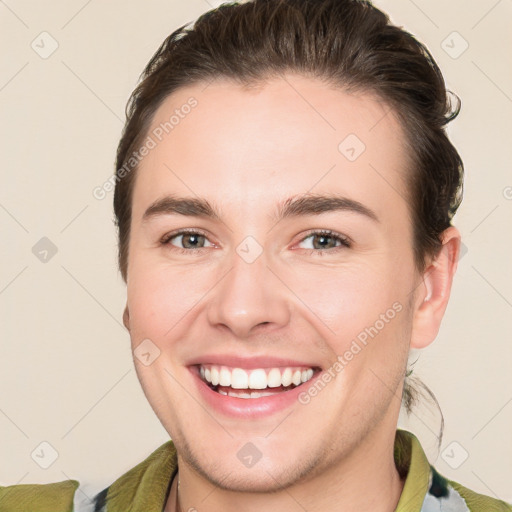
column 432, row 295
column 126, row 318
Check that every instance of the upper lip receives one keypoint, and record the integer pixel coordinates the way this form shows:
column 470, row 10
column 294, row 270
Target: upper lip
column 250, row 362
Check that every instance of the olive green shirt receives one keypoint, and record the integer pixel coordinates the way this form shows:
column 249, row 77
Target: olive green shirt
column 145, row 488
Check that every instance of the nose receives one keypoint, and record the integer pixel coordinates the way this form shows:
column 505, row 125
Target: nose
column 250, row 298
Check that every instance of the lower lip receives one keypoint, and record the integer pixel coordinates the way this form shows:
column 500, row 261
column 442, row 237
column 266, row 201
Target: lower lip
column 248, row 408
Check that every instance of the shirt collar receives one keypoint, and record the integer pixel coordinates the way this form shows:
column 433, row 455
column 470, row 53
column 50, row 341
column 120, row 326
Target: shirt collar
column 410, row 460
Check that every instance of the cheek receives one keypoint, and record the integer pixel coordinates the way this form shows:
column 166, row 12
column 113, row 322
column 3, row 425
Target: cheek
column 363, row 316
column 340, row 302
column 157, row 300
column 347, row 299
column 161, row 297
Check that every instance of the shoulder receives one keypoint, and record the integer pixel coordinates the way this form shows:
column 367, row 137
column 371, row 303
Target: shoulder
column 143, row 487
column 445, row 494
column 53, row 497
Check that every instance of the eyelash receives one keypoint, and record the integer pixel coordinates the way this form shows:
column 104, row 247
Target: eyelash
column 345, row 241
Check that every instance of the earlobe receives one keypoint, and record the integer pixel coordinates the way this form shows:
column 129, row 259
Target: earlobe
column 432, row 297
column 126, row 318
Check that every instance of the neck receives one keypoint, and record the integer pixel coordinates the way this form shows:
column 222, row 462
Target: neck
column 366, row 480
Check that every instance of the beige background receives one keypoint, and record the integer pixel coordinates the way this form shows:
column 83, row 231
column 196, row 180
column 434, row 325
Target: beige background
column 66, row 374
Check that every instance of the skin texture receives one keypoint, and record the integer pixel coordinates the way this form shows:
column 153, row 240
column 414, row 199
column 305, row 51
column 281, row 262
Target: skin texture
column 246, row 151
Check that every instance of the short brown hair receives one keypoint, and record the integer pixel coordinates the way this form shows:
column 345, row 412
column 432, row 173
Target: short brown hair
column 348, row 43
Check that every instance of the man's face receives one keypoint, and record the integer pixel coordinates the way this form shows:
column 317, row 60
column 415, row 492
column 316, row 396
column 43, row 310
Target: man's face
column 252, row 290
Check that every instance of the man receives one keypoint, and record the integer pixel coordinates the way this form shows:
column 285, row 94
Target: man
column 284, row 195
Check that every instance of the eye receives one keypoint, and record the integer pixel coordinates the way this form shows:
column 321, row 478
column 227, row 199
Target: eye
column 320, row 241
column 188, row 239
column 325, row 239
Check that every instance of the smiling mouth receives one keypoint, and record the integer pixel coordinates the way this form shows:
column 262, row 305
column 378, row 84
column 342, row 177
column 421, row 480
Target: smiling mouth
column 254, row 383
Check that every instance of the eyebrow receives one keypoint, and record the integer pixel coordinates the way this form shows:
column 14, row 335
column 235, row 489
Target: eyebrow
column 304, row 205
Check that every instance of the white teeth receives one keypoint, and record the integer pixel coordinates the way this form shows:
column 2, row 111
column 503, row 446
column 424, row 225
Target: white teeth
column 274, row 378
column 239, row 379
column 224, row 377
column 260, row 378
column 245, row 394
column 286, row 378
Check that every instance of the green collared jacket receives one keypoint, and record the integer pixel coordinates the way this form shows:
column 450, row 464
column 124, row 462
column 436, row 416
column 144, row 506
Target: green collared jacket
column 145, row 488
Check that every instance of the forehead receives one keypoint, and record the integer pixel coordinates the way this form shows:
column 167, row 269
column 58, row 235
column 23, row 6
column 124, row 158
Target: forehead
column 247, row 148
